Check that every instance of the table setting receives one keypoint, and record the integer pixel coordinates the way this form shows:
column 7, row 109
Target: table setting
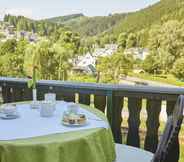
column 68, row 125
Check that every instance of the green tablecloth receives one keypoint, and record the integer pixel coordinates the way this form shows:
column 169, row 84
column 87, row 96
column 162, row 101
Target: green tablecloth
column 94, row 145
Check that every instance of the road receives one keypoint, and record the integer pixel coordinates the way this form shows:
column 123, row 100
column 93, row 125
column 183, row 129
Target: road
column 138, row 81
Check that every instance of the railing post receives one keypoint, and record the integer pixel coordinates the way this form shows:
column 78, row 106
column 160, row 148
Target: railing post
column 17, row 94
column 41, row 92
column 134, row 107
column 153, row 111
column 100, row 102
column 84, row 99
column 6, row 93
column 170, row 107
column 114, row 108
column 69, row 96
column 27, row 94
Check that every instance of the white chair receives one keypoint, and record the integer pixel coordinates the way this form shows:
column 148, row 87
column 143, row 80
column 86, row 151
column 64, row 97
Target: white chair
column 126, row 153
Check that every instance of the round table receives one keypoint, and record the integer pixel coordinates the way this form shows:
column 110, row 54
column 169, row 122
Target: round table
column 93, row 145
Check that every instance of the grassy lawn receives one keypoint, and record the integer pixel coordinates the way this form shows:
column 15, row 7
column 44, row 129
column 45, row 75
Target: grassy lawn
column 182, row 153
column 168, row 79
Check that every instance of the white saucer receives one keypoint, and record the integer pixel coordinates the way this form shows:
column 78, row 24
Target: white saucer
column 9, row 116
column 75, row 124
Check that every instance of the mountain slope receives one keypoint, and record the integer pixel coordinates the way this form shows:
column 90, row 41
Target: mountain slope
column 112, row 24
column 21, row 23
column 88, row 26
column 155, row 14
column 129, row 22
column 64, row 19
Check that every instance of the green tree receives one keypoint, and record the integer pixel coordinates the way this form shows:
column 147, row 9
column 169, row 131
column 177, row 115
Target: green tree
column 151, row 64
column 13, row 59
column 63, row 54
column 22, row 25
column 131, row 40
column 8, row 47
column 41, row 56
column 167, row 43
column 110, row 68
column 178, row 68
column 12, row 20
column 122, row 40
column 6, row 18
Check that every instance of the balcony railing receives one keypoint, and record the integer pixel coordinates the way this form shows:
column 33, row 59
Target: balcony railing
column 107, row 98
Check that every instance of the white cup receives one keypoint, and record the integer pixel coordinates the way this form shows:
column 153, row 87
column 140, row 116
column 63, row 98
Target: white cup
column 9, row 109
column 47, row 109
column 50, row 97
column 72, row 108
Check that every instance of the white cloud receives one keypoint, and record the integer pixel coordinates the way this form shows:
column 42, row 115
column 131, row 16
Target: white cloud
column 19, row 11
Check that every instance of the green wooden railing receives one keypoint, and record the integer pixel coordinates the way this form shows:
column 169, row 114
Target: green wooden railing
column 106, row 97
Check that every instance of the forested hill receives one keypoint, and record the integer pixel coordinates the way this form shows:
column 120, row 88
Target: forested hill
column 125, row 22
column 88, row 26
column 65, row 19
column 85, row 26
column 113, row 24
column 156, row 14
column 21, row 23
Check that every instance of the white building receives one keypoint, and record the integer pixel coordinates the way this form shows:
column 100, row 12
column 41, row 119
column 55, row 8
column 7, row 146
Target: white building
column 108, row 50
column 89, row 60
column 138, row 53
column 86, row 60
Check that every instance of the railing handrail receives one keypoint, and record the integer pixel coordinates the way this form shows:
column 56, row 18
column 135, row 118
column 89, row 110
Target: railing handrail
column 99, row 86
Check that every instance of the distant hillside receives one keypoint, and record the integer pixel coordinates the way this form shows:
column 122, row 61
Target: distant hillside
column 88, row 26
column 21, row 23
column 113, row 24
column 131, row 22
column 64, row 19
column 125, row 22
column 155, row 14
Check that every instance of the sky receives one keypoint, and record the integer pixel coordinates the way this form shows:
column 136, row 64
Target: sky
column 39, row 9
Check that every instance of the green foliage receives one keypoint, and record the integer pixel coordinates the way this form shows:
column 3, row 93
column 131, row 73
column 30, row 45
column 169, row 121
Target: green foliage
column 145, row 18
column 131, row 40
column 53, row 60
column 2, row 36
column 178, row 69
column 151, row 64
column 12, row 58
column 64, row 19
column 8, row 47
column 111, row 67
column 82, row 78
column 22, row 23
column 32, row 82
column 127, row 22
column 88, row 26
column 122, row 40
column 166, row 44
